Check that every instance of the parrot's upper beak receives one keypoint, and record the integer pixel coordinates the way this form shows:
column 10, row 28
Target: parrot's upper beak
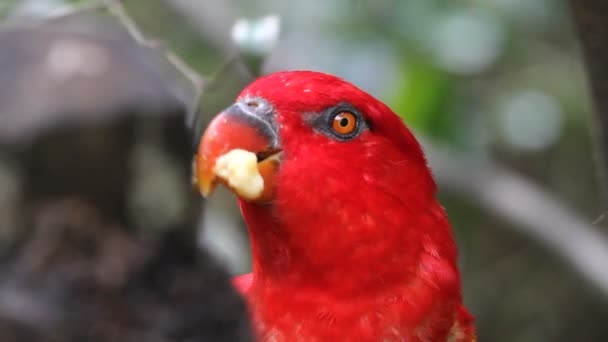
column 240, row 149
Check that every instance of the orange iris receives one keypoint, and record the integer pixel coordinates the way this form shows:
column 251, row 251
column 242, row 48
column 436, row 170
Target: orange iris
column 344, row 123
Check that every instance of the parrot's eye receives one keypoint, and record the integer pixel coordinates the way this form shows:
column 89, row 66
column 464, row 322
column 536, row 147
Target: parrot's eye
column 344, row 123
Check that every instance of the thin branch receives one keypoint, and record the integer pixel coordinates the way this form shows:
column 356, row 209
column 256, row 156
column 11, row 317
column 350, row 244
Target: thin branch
column 117, row 9
column 78, row 9
column 223, row 68
column 199, row 83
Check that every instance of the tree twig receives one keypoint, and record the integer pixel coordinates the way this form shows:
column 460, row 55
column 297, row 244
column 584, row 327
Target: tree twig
column 117, row 9
column 79, row 9
column 222, row 69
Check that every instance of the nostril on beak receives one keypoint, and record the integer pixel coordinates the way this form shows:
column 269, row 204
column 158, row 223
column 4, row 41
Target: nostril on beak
column 253, row 104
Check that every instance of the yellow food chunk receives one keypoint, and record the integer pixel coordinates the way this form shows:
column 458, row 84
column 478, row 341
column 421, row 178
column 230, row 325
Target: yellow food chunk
column 239, row 169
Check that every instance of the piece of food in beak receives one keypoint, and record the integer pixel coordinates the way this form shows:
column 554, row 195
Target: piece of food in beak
column 239, row 171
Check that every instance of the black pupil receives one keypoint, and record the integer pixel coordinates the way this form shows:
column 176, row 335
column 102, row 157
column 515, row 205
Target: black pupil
column 344, row 122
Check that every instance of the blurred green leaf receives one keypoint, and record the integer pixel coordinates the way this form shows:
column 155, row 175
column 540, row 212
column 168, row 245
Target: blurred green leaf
column 6, row 6
column 422, row 99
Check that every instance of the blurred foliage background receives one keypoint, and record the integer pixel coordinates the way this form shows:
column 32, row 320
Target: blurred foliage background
column 495, row 86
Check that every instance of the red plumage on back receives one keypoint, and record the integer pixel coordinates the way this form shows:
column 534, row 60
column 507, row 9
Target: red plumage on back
column 351, row 245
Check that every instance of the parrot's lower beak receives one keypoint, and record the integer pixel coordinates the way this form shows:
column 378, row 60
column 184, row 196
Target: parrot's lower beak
column 240, row 149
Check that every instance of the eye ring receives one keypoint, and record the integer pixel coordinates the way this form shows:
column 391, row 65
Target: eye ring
column 344, row 123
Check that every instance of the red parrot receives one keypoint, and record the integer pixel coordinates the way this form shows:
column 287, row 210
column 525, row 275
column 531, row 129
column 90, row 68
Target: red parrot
column 348, row 239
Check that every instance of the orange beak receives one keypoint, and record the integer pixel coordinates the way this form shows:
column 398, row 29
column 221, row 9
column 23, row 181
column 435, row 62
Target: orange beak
column 247, row 125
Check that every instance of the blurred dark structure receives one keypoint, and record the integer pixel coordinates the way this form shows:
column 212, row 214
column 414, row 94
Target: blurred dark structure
column 98, row 222
column 590, row 17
